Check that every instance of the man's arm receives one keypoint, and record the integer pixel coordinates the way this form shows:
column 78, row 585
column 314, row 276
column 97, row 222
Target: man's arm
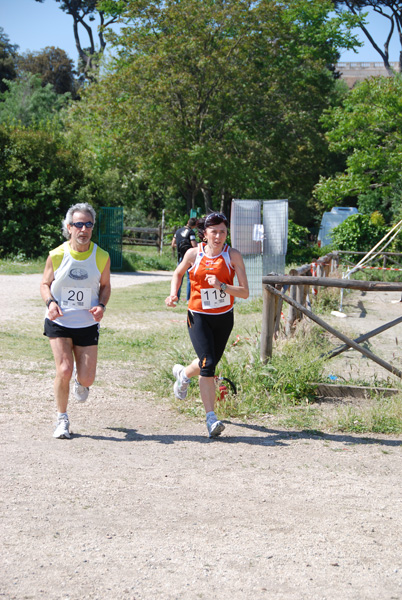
column 54, row 309
column 105, row 290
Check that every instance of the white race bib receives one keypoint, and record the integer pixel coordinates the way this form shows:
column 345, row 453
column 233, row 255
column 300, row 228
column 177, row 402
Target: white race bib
column 75, row 297
column 212, row 298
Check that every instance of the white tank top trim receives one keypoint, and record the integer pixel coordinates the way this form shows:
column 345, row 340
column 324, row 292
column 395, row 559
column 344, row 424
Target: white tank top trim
column 201, row 253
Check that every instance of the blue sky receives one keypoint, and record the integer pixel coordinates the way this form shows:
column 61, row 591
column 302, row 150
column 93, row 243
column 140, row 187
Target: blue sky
column 33, row 26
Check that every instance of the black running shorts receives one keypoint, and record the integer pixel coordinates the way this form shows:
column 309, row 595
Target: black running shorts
column 209, row 335
column 81, row 336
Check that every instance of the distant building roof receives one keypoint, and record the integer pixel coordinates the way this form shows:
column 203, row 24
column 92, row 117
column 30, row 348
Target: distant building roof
column 352, row 72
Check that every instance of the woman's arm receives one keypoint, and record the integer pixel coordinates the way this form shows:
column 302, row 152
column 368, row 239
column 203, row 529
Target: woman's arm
column 238, row 291
column 178, row 275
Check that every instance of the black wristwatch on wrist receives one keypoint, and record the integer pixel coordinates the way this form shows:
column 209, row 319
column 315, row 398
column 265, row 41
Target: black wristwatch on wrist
column 223, row 287
column 102, row 305
column 49, row 301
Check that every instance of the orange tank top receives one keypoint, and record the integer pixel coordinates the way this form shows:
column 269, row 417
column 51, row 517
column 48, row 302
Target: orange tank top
column 204, row 298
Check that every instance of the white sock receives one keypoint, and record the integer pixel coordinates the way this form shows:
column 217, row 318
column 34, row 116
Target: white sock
column 211, row 415
column 60, row 415
column 184, row 377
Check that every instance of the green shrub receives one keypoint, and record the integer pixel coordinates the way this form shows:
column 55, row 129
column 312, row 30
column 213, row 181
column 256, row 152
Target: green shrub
column 359, row 233
column 39, row 180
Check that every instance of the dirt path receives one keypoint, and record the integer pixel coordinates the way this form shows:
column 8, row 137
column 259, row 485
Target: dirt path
column 139, row 504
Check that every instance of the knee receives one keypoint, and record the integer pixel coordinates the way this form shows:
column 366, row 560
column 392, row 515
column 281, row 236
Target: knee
column 65, row 371
column 86, row 380
column 207, row 367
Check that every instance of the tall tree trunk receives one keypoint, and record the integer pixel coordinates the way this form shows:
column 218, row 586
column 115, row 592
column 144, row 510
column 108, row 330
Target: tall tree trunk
column 206, row 192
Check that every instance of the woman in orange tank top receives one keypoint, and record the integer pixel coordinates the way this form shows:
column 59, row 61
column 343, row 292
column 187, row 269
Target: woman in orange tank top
column 212, row 266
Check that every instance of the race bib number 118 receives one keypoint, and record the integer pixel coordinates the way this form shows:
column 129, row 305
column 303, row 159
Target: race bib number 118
column 212, row 298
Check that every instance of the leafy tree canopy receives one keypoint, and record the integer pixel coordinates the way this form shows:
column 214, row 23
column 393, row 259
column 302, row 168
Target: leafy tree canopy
column 8, row 55
column 29, row 104
column 218, row 98
column 367, row 128
column 53, row 66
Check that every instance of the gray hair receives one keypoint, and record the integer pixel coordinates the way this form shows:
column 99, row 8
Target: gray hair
column 81, row 207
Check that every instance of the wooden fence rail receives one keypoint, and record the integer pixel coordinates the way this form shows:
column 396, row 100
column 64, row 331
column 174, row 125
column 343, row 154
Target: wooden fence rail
column 273, row 298
column 145, row 236
column 266, row 345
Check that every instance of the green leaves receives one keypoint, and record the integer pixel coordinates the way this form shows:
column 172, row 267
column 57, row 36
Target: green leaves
column 218, row 97
column 39, row 180
column 368, row 129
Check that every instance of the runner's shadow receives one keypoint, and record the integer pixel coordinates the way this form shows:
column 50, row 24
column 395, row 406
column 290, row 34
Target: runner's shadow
column 308, row 434
column 269, row 437
column 132, row 435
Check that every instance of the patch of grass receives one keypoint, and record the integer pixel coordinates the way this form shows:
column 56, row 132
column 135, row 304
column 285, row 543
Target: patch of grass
column 249, row 307
column 29, row 344
column 148, row 258
column 327, row 299
column 148, row 297
column 383, row 415
column 121, row 346
column 135, row 258
column 14, row 266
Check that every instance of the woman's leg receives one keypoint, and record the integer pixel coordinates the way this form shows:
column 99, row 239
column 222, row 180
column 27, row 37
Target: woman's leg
column 209, row 335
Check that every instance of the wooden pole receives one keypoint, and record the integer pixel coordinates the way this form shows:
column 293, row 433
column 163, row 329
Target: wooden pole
column 269, row 303
column 336, row 333
column 352, row 284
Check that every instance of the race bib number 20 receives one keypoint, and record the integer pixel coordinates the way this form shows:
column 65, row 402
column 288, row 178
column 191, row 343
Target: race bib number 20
column 76, row 297
column 212, row 298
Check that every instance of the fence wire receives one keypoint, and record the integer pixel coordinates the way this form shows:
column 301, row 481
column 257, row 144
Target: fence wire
column 265, row 254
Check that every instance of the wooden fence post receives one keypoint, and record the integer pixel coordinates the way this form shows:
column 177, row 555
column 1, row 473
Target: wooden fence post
column 269, row 306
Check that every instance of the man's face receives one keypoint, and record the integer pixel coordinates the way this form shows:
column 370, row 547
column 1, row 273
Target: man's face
column 81, row 236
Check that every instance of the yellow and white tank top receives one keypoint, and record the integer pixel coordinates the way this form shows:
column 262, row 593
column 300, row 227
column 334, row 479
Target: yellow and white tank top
column 76, row 283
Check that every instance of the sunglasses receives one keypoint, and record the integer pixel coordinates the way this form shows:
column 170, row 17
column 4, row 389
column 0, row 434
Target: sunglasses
column 215, row 217
column 80, row 225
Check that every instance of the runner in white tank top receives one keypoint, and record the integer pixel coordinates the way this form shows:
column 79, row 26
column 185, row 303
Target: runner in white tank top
column 75, row 288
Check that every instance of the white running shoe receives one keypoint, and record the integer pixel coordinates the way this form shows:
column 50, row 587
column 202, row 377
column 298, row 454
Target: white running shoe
column 62, row 430
column 80, row 392
column 180, row 387
column 214, row 427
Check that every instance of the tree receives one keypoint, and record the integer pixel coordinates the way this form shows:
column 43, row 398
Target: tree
column 8, row 56
column 83, row 13
column 218, row 98
column 39, row 179
column 367, row 129
column 391, row 11
column 53, row 66
column 28, row 103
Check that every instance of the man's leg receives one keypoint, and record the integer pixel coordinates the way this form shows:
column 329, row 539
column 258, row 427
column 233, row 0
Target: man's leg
column 62, row 349
column 85, row 359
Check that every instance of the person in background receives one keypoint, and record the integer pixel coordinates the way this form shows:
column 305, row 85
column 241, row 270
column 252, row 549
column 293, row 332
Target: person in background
column 75, row 288
column 212, row 266
column 183, row 240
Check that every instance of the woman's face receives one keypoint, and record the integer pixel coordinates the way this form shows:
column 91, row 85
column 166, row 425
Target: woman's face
column 216, row 235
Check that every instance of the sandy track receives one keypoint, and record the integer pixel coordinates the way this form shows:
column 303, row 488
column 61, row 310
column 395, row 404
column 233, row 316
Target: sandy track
column 139, row 504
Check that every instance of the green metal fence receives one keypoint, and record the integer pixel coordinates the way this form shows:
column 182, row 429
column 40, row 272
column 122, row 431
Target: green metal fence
column 110, row 233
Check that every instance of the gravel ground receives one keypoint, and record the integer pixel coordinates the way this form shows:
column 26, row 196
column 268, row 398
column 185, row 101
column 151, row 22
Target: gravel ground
column 140, row 505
